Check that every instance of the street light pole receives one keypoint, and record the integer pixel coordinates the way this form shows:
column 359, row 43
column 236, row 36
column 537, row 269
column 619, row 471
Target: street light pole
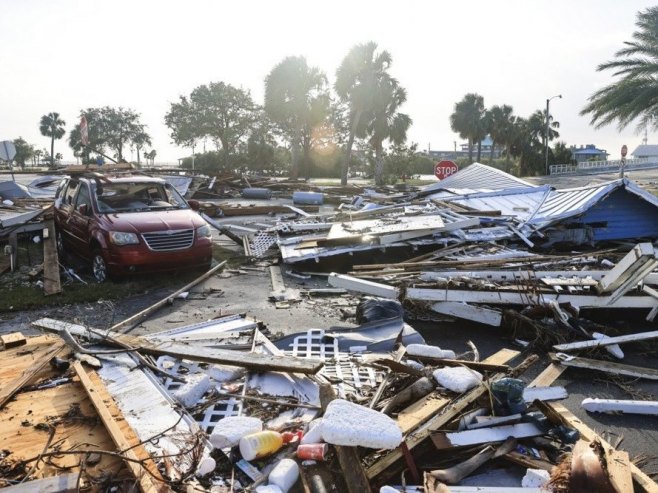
column 548, row 118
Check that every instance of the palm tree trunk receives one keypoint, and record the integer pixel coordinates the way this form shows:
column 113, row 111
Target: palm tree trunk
column 52, row 150
column 470, row 150
column 491, row 151
column 348, row 150
column 138, row 162
column 294, row 155
column 479, row 149
column 379, row 164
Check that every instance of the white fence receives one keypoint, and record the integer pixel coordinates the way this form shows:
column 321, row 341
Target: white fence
column 602, row 166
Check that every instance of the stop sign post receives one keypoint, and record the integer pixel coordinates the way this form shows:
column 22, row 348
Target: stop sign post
column 443, row 169
column 624, row 151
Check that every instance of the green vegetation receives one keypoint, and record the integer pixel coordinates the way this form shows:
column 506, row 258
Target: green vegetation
column 51, row 125
column 634, row 96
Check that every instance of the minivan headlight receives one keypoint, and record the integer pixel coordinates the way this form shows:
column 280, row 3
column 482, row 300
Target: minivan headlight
column 121, row 238
column 203, row 231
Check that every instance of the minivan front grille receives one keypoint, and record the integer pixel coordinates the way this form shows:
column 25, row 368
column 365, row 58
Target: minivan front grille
column 164, row 241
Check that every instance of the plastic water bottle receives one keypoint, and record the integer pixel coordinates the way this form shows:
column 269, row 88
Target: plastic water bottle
column 260, row 444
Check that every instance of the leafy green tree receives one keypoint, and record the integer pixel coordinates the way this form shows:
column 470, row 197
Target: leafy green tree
column 469, row 122
column 385, row 122
column 357, row 77
column 108, row 129
column 634, row 95
column 562, row 154
column 24, row 152
column 406, row 161
column 51, row 125
column 528, row 142
column 297, row 101
column 224, row 113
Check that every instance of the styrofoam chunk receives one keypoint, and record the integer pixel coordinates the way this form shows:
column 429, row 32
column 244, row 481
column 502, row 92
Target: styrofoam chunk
column 284, row 475
column 268, row 488
column 457, row 379
column 535, row 478
column 229, row 430
column 429, row 351
column 206, row 466
column 314, row 433
column 191, row 392
column 351, row 425
column 388, row 489
column 613, row 349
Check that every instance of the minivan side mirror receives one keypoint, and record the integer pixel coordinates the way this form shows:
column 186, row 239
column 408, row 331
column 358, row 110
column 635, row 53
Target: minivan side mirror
column 194, row 204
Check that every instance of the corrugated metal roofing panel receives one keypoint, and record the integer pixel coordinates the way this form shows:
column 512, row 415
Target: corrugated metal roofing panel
column 562, row 204
column 481, row 177
column 519, row 203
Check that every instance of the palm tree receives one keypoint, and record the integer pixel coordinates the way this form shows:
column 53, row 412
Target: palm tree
column 141, row 139
column 357, row 77
column 468, row 121
column 501, row 121
column 296, row 100
column 385, row 123
column 635, row 95
column 51, row 125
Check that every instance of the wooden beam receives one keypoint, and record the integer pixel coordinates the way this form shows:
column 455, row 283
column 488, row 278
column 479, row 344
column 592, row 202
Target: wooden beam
column 642, row 480
column 435, row 422
column 51, row 280
column 642, row 336
column 98, row 394
column 139, row 317
column 7, row 393
column 64, row 483
column 12, row 339
column 469, row 312
column 606, row 366
column 551, row 373
column 526, row 298
column 180, row 350
column 362, row 286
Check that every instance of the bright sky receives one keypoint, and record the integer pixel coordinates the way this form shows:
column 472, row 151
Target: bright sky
column 67, row 55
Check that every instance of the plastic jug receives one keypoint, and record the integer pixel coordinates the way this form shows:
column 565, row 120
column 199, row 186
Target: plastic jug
column 260, row 444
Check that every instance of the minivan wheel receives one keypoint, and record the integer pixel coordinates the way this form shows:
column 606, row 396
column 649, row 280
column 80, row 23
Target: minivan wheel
column 98, row 267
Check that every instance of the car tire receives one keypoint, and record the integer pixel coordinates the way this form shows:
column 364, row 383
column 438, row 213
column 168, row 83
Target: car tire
column 99, row 267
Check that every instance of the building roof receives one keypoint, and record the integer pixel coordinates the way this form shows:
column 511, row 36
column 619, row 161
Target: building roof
column 645, row 150
column 566, row 203
column 589, row 151
column 478, row 178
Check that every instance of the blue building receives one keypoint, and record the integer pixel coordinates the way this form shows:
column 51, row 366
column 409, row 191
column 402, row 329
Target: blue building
column 588, row 152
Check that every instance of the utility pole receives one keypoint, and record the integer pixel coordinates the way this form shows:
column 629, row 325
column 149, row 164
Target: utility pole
column 548, row 119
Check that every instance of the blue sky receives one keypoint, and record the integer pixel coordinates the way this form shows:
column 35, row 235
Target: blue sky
column 70, row 54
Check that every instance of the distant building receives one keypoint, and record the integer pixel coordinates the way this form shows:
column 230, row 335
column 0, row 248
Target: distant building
column 463, row 152
column 588, row 152
column 646, row 151
column 485, row 147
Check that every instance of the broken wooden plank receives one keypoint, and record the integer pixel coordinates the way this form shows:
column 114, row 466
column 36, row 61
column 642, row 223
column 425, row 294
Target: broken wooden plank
column 551, row 373
column 474, row 365
column 484, row 435
column 524, row 297
column 629, row 271
column 642, row 336
column 51, row 280
column 642, row 480
column 362, row 286
column 97, row 394
column 7, row 392
column 63, row 483
column 139, row 317
column 531, row 394
column 13, row 339
column 469, row 312
column 439, row 419
column 253, row 361
column 606, row 366
column 618, row 467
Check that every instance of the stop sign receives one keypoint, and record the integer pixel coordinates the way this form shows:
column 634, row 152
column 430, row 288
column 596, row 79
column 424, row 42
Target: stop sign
column 443, row 169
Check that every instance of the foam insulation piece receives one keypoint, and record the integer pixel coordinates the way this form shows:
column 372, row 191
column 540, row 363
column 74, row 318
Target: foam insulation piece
column 191, row 392
column 457, row 379
column 430, row 351
column 314, row 432
column 535, row 478
column 415, row 364
column 229, row 430
column 613, row 349
column 284, row 475
column 388, row 489
column 349, row 424
column 221, row 373
column 269, row 488
column 206, row 466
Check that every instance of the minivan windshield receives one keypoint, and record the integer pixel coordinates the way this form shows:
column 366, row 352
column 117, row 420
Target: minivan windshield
column 137, row 197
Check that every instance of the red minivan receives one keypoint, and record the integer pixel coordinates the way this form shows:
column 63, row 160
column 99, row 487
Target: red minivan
column 130, row 224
